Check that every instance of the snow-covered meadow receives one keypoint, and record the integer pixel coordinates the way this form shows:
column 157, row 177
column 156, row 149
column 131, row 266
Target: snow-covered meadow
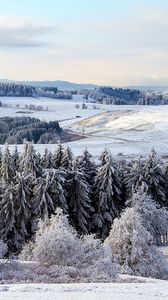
column 123, row 129
column 151, row 290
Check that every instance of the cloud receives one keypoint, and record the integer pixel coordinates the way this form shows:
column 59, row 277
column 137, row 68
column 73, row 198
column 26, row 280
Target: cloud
column 22, row 33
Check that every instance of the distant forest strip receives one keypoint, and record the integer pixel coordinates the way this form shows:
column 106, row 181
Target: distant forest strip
column 17, row 129
column 121, row 96
column 103, row 95
column 20, row 90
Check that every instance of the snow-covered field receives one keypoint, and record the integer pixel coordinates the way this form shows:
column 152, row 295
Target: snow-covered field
column 156, row 290
column 123, row 129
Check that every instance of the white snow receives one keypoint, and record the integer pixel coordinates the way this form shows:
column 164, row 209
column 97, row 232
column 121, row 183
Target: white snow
column 155, row 290
column 121, row 128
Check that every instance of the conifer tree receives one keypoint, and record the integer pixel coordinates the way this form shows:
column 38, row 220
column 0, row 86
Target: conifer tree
column 15, row 157
column 41, row 202
column 15, row 214
column 56, row 187
column 107, row 196
column 48, row 194
column 57, row 156
column 0, row 158
column 7, row 167
column 149, row 177
column 29, row 163
column 67, row 157
column 8, row 218
column 103, row 157
column 87, row 165
column 46, row 160
column 79, row 202
column 23, row 194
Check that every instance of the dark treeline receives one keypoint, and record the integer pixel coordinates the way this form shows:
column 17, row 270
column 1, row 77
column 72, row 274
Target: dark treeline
column 16, row 130
column 32, row 186
column 16, row 90
column 20, row 90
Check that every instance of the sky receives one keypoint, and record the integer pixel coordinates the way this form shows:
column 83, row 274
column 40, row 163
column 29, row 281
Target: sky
column 106, row 42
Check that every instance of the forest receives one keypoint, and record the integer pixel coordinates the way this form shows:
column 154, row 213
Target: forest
column 125, row 96
column 57, row 209
column 15, row 130
column 21, row 90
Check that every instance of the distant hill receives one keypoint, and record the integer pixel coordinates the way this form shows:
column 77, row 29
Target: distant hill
column 61, row 85
column 154, row 88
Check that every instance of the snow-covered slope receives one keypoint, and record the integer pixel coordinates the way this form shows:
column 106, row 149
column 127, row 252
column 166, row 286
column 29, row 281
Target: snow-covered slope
column 123, row 129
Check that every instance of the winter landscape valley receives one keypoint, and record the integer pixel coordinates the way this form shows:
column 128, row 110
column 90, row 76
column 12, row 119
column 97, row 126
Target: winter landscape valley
column 124, row 129
column 110, row 171
column 83, row 150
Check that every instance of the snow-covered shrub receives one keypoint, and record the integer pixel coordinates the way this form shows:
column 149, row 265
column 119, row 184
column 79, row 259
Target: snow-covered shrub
column 133, row 247
column 57, row 244
column 3, row 249
column 154, row 217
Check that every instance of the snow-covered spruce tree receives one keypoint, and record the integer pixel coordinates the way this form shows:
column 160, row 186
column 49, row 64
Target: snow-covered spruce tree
column 103, row 156
column 86, row 163
column 48, row 194
column 7, row 167
column 15, row 158
column 23, row 155
column 22, row 206
column 67, row 158
column 154, row 217
column 57, row 156
column 107, row 196
column 8, row 218
column 57, row 244
column 46, row 160
column 133, row 247
column 149, row 176
column 3, row 249
column 15, row 214
column 79, row 203
column 29, row 164
column 0, row 158
column 56, row 188
column 41, row 202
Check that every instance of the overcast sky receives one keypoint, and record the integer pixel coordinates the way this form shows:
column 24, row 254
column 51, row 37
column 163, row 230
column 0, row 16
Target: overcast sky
column 113, row 42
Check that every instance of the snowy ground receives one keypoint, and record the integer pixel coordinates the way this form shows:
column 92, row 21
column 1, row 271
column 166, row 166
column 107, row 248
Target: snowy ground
column 123, row 129
column 87, row 291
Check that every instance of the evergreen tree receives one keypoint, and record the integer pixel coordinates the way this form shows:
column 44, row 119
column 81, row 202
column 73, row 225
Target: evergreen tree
column 57, row 156
column 15, row 157
column 67, row 157
column 103, row 157
column 8, row 218
column 29, row 163
column 87, row 165
column 23, row 194
column 56, row 187
column 149, row 177
column 48, row 194
column 0, row 158
column 79, row 202
column 7, row 167
column 41, row 202
column 46, row 160
column 107, row 196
